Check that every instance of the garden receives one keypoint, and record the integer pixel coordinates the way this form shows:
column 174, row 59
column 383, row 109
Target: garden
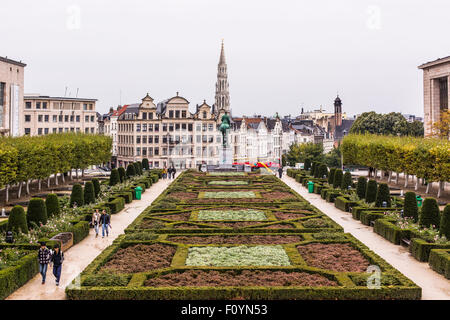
column 186, row 246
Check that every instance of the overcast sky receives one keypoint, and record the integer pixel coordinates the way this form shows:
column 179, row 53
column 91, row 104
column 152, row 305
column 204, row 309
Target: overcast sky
column 281, row 55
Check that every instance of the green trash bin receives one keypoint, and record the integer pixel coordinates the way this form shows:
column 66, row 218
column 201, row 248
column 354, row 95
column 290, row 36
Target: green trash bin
column 419, row 201
column 138, row 191
column 310, row 186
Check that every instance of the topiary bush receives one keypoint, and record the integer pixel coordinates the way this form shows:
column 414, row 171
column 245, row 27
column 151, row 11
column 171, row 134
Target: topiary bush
column 331, row 176
column 444, row 229
column 122, row 174
column 323, row 171
column 36, row 212
column 371, row 191
column 114, row 178
column 136, row 168
column 313, row 167
column 346, row 181
column 52, row 204
column 145, row 165
column 383, row 194
column 89, row 193
column 337, row 181
column 429, row 215
column 77, row 196
column 307, row 164
column 361, row 187
column 140, row 167
column 316, row 170
column 410, row 208
column 96, row 184
column 17, row 221
column 131, row 171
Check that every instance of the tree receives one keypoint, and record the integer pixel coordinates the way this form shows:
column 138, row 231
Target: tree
column 441, row 128
column 333, row 158
column 444, row 229
column 338, row 175
column 331, row 176
column 313, row 167
column 316, row 170
column 323, row 171
column 114, row 178
column 89, row 193
column 383, row 195
column 131, row 171
column 17, row 221
column 371, row 192
column 122, row 174
column 429, row 215
column 346, row 181
column 77, row 197
column 96, row 184
column 52, row 204
column 361, row 187
column 410, row 208
column 145, row 164
column 136, row 168
column 298, row 153
column 36, row 212
column 307, row 164
column 140, row 167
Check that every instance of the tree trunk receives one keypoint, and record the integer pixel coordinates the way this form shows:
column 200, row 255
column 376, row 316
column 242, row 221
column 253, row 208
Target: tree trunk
column 375, row 172
column 39, row 184
column 428, row 187
column 28, row 187
column 56, row 179
column 76, row 173
column 390, row 176
column 7, row 193
column 82, row 173
column 63, row 179
column 406, row 180
column 48, row 182
column 417, row 183
column 441, row 188
column 19, row 193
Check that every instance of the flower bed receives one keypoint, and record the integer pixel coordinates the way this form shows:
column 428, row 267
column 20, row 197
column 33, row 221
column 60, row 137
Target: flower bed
column 227, row 174
column 238, row 239
column 238, row 215
column 228, row 183
column 227, row 194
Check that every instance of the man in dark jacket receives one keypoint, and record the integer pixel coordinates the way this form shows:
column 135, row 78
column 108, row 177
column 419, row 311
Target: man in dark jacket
column 169, row 173
column 173, row 172
column 44, row 256
column 280, row 172
column 57, row 259
column 105, row 222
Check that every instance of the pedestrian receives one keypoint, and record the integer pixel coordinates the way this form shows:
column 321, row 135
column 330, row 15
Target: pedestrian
column 170, row 172
column 57, row 259
column 105, row 222
column 280, row 172
column 96, row 221
column 164, row 172
column 173, row 172
column 44, row 256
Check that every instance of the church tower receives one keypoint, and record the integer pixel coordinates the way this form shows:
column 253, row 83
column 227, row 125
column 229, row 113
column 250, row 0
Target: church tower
column 222, row 93
column 337, row 112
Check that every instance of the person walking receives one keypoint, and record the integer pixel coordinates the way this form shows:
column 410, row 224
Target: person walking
column 96, row 221
column 44, row 256
column 280, row 172
column 170, row 172
column 173, row 172
column 105, row 222
column 57, row 259
column 164, row 172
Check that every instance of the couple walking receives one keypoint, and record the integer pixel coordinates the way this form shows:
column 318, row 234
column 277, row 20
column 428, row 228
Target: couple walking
column 47, row 256
column 171, row 172
column 102, row 219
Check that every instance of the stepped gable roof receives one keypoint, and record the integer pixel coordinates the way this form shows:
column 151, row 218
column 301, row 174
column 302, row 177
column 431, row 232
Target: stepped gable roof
column 339, row 130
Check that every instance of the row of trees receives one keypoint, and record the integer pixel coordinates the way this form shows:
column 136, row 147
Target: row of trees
column 424, row 158
column 23, row 159
column 312, row 152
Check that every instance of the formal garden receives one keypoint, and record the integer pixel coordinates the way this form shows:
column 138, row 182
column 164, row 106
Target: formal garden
column 236, row 236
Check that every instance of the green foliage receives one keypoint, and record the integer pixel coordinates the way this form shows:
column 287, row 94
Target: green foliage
column 96, row 184
column 36, row 212
column 429, row 215
column 136, row 168
column 307, row 164
column 323, row 171
column 77, row 196
column 444, row 229
column 383, row 195
column 17, row 221
column 52, row 204
column 313, row 167
column 122, row 174
column 337, row 181
column 410, row 208
column 89, row 193
column 333, row 158
column 361, row 187
column 114, row 178
column 371, row 192
column 316, row 170
column 131, row 170
column 331, row 176
column 145, row 164
column 140, row 167
column 300, row 152
column 346, row 181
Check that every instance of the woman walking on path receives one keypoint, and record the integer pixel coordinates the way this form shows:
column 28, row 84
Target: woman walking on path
column 164, row 173
column 173, row 172
column 105, row 222
column 96, row 221
column 44, row 256
column 57, row 259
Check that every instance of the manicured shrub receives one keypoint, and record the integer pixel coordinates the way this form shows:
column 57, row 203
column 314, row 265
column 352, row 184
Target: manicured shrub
column 89, row 193
column 145, row 165
column 429, row 215
column 36, row 212
column 140, row 168
column 316, row 170
column 371, row 192
column 383, row 195
column 361, row 187
column 96, row 184
column 77, row 196
column 52, row 204
column 122, row 174
column 338, row 175
column 346, row 181
column 323, row 171
column 307, row 164
column 331, row 176
column 444, row 229
column 131, row 171
column 136, row 168
column 313, row 167
column 410, row 208
column 114, row 177
column 17, row 221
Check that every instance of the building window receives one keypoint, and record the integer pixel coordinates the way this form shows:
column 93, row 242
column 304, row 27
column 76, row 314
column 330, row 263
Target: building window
column 45, row 130
column 40, row 118
column 27, row 118
column 92, row 130
column 78, row 118
column 198, row 138
column 156, row 151
column 46, row 118
column 71, row 118
column 170, row 126
column 144, row 151
column 183, row 114
column 144, row 115
column 443, row 93
column 39, row 131
column 92, row 118
column 190, row 126
column 150, row 127
column 204, row 114
column 54, row 130
column 204, row 127
column 150, row 139
column 156, row 127
column 86, row 118
column 164, row 127
column 177, row 126
column 55, row 118
column 60, row 130
column 38, row 105
column 177, row 113
column 85, row 106
column 44, row 105
column 60, row 118
column 138, row 139
column 156, row 139
column 138, row 151
column 150, row 151
column 144, row 139
column 86, row 130
column 27, row 105
column 171, row 114
column 144, row 127
column 210, row 127
column 150, row 115
column 27, row 130
column 138, row 127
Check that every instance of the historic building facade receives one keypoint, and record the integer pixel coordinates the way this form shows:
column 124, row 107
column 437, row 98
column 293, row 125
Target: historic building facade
column 11, row 96
column 436, row 91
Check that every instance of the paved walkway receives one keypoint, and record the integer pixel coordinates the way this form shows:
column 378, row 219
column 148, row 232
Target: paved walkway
column 434, row 286
column 82, row 254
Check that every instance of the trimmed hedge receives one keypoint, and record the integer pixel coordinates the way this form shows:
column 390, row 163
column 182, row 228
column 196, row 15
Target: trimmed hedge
column 122, row 174
column 440, row 261
column 89, row 193
column 429, row 214
column 145, row 164
column 17, row 221
column 331, row 176
column 410, row 208
column 36, row 212
column 116, row 205
column 346, row 180
column 338, row 176
column 388, row 230
column 421, row 249
column 371, row 191
column 52, row 204
column 383, row 195
column 344, row 204
column 77, row 196
column 361, row 187
column 366, row 217
column 96, row 184
column 114, row 178
column 444, row 229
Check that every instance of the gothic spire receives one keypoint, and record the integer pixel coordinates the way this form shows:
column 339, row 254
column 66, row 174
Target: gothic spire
column 222, row 97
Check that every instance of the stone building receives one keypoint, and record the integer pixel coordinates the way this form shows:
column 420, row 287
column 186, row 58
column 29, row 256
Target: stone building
column 11, row 96
column 43, row 115
column 435, row 91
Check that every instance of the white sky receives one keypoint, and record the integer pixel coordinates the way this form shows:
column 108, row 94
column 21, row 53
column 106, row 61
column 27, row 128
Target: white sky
column 281, row 55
